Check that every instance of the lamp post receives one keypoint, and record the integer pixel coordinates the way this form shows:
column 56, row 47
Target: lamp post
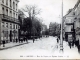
column 61, row 37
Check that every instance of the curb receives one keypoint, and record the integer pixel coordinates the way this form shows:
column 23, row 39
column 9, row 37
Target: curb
column 12, row 46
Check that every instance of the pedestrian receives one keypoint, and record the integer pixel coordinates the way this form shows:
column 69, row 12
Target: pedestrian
column 3, row 43
column 57, row 40
column 79, row 48
column 70, row 45
column 73, row 43
column 16, row 40
column 19, row 40
column 33, row 39
column 26, row 39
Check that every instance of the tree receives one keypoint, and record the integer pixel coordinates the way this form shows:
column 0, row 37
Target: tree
column 37, row 25
column 47, row 32
column 32, row 23
column 44, row 29
column 21, row 17
column 32, row 10
column 54, row 29
column 27, row 26
column 33, row 27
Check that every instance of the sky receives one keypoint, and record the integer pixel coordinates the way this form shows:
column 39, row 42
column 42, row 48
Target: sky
column 50, row 9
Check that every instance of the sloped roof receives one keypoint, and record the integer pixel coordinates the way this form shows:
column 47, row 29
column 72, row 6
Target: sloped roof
column 73, row 7
column 76, row 4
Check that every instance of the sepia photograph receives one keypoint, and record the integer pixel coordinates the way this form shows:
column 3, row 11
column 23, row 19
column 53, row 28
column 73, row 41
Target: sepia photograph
column 39, row 29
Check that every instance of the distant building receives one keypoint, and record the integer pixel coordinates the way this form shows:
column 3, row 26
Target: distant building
column 9, row 23
column 44, row 28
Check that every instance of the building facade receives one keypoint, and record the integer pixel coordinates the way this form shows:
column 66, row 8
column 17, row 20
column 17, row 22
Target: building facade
column 44, row 28
column 69, row 25
column 77, row 21
column 9, row 23
column 72, row 23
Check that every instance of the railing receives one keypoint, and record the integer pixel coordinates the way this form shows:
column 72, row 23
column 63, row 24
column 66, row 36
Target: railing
column 9, row 18
column 69, row 23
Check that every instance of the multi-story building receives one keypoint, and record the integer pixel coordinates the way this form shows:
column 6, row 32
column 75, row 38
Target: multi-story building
column 72, row 23
column 77, row 21
column 69, row 25
column 9, row 23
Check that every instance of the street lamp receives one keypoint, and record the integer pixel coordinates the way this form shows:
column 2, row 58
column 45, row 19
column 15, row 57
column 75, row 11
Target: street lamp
column 61, row 37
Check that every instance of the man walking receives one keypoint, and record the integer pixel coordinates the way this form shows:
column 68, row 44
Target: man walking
column 57, row 40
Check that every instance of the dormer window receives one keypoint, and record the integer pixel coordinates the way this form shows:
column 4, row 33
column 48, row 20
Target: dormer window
column 75, row 18
column 73, row 13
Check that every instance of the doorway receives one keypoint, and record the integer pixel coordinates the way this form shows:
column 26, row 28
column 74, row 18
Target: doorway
column 10, row 36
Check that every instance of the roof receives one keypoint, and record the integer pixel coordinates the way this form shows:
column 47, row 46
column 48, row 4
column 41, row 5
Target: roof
column 76, row 5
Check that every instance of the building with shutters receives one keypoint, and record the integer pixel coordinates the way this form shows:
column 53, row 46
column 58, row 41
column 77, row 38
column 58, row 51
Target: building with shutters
column 9, row 23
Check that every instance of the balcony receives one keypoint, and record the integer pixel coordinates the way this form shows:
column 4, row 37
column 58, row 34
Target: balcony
column 69, row 23
column 8, row 18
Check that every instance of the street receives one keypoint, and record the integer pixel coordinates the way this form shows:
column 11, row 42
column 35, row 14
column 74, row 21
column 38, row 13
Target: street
column 43, row 46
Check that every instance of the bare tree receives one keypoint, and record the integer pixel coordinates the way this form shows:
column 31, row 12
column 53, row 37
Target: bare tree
column 32, row 10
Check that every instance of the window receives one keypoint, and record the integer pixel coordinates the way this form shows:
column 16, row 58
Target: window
column 7, row 12
column 18, row 27
column 79, row 5
column 11, row 13
column 7, row 2
column 14, row 26
column 14, row 15
column 73, row 13
column 10, row 26
column 75, row 9
column 3, row 10
column 2, row 1
column 7, row 25
column 10, row 4
column 13, row 5
column 2, row 24
column 71, row 28
column 6, row 34
column 16, row 7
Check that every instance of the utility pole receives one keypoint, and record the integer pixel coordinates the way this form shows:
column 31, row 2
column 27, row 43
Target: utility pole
column 61, row 37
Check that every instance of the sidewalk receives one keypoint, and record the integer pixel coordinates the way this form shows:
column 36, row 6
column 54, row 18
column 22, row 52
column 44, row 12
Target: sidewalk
column 67, row 52
column 12, row 44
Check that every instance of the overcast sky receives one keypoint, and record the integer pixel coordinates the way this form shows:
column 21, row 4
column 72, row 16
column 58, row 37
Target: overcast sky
column 51, row 9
